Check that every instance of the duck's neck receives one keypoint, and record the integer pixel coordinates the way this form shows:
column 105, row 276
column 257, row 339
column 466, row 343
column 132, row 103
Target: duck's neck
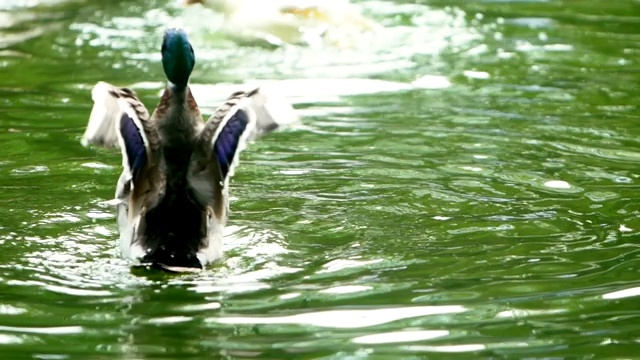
column 179, row 116
column 177, row 89
column 177, row 93
column 179, row 122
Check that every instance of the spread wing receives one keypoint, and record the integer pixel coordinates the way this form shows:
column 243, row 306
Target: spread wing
column 243, row 117
column 118, row 118
column 101, row 129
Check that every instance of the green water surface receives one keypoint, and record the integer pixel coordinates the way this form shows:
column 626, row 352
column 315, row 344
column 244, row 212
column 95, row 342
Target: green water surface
column 464, row 184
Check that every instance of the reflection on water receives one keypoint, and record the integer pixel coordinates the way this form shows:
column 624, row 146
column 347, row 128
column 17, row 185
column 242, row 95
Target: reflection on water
column 463, row 183
column 346, row 318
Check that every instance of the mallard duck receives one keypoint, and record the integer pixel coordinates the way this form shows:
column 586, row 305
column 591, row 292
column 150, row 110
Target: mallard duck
column 172, row 198
column 290, row 21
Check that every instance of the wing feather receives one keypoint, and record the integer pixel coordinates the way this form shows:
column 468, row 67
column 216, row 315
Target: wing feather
column 272, row 112
column 119, row 119
column 134, row 147
column 105, row 113
column 227, row 145
column 217, row 151
column 244, row 116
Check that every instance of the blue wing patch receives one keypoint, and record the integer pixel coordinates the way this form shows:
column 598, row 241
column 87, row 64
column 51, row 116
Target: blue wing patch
column 226, row 144
column 134, row 145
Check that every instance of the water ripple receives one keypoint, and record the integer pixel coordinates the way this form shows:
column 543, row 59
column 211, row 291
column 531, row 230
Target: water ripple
column 345, row 318
column 462, row 184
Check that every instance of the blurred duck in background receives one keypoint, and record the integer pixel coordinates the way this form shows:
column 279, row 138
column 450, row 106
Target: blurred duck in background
column 302, row 22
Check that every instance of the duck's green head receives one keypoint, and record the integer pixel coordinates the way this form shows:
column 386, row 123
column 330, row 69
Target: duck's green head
column 177, row 57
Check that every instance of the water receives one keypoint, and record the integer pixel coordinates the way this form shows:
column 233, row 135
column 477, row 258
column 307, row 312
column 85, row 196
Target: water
column 463, row 185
